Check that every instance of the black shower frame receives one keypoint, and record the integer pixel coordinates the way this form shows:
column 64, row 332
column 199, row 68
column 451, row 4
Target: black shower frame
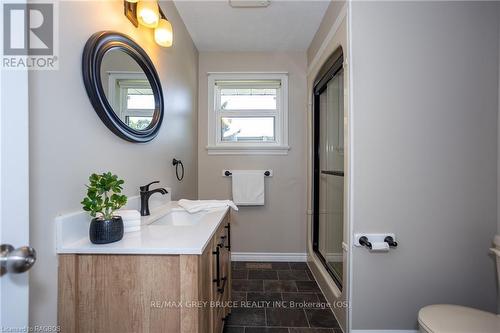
column 332, row 67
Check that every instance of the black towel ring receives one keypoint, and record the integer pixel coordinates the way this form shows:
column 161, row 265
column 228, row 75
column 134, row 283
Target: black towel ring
column 176, row 163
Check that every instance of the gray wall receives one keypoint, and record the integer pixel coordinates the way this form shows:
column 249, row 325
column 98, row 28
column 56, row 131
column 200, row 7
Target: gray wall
column 68, row 141
column 425, row 108
column 327, row 22
column 498, row 160
column 279, row 226
column 498, row 174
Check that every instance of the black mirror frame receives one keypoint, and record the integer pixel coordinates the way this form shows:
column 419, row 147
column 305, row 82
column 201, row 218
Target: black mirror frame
column 93, row 53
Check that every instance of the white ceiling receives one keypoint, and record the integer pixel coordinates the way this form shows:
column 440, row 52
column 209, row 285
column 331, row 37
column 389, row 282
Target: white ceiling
column 283, row 26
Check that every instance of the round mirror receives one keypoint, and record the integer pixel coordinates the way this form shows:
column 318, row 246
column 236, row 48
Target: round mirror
column 123, row 86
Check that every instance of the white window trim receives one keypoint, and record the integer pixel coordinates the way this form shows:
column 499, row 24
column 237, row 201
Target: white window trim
column 217, row 147
column 113, row 78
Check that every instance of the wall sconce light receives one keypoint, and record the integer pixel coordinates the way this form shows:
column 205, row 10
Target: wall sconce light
column 164, row 35
column 149, row 14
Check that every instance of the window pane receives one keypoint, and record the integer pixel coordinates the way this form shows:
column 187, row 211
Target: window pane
column 140, row 98
column 138, row 123
column 238, row 129
column 247, row 99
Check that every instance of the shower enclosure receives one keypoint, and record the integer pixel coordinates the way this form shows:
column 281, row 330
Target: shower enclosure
column 328, row 181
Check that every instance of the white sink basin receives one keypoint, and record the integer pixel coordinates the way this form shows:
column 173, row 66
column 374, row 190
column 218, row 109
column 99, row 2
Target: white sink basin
column 180, row 219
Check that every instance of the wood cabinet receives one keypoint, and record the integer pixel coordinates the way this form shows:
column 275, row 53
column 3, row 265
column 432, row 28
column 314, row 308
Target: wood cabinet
column 147, row 293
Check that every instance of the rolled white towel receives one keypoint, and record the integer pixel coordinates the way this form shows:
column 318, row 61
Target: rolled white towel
column 131, row 225
column 195, row 206
column 131, row 219
column 128, row 214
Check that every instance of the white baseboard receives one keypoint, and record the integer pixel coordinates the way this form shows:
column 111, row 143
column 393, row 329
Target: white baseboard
column 266, row 256
column 384, row 331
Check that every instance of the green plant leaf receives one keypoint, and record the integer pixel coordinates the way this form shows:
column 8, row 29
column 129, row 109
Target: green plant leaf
column 103, row 195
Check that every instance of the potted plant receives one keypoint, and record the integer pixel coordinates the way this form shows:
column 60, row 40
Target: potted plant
column 102, row 200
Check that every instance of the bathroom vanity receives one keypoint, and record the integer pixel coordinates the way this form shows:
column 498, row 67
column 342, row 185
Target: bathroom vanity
column 174, row 275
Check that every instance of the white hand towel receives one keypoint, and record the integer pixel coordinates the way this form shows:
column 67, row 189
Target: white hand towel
column 195, row 206
column 128, row 214
column 131, row 223
column 248, row 187
column 131, row 219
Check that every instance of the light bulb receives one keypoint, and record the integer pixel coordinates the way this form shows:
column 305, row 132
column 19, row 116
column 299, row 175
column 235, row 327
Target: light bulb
column 148, row 14
column 164, row 35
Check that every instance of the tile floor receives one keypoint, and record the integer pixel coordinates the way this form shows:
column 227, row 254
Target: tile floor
column 278, row 297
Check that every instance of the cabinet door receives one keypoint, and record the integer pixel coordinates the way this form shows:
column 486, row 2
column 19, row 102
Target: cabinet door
column 220, row 259
column 222, row 291
column 226, row 260
column 206, row 317
column 218, row 320
column 221, row 269
column 225, row 290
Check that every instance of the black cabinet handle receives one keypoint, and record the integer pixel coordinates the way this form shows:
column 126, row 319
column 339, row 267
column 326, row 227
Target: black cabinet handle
column 221, row 289
column 217, row 264
column 222, row 241
column 228, row 227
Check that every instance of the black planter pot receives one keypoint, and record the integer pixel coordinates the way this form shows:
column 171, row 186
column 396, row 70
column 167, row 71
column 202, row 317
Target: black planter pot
column 106, row 231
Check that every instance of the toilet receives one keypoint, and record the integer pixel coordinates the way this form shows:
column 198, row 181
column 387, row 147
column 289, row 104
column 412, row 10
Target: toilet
column 446, row 318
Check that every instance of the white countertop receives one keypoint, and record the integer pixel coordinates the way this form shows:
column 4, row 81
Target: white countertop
column 72, row 234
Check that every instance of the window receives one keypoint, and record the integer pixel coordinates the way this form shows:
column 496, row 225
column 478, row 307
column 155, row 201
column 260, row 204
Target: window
column 132, row 98
column 248, row 113
column 138, row 104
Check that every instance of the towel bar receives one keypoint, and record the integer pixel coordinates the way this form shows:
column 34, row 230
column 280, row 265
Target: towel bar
column 227, row 173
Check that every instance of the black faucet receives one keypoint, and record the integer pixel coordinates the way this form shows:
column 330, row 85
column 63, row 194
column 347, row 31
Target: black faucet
column 146, row 193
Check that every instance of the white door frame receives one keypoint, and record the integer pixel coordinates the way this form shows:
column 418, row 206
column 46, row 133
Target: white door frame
column 338, row 36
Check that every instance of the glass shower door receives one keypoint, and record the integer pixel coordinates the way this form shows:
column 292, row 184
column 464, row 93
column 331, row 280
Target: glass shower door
column 329, row 175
